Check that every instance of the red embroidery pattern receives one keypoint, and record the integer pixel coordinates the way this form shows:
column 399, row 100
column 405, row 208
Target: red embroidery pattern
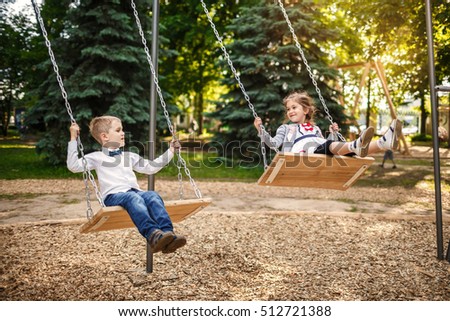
column 307, row 127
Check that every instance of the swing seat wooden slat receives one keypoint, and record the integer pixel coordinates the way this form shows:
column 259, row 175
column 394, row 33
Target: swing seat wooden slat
column 116, row 217
column 314, row 171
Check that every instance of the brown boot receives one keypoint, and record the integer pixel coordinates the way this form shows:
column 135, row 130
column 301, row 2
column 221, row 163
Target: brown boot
column 178, row 241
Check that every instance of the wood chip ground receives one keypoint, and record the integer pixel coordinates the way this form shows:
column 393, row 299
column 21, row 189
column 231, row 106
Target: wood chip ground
column 245, row 247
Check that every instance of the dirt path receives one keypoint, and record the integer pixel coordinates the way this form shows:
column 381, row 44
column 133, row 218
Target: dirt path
column 40, row 200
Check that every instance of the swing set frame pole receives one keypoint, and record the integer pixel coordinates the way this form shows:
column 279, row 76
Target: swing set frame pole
column 435, row 124
column 152, row 120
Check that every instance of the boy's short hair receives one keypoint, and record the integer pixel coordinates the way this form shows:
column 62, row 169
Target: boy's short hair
column 101, row 125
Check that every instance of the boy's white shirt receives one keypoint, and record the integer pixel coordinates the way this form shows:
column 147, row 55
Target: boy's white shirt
column 115, row 174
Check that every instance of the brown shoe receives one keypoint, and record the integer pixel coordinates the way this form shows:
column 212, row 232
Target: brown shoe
column 178, row 241
column 158, row 240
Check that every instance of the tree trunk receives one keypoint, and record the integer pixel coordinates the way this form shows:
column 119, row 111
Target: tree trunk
column 4, row 130
column 198, row 113
column 448, row 125
column 423, row 114
column 6, row 115
column 368, row 103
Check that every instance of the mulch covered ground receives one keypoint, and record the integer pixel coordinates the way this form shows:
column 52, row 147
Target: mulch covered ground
column 260, row 255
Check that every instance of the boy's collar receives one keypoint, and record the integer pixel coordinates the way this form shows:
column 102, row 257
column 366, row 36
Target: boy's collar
column 106, row 150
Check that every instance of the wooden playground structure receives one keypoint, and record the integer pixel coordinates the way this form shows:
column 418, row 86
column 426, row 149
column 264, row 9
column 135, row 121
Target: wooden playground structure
column 377, row 65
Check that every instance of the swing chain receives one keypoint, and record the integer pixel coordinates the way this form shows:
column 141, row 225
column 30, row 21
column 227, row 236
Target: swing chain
column 230, row 63
column 305, row 61
column 87, row 190
column 263, row 152
column 87, row 175
column 180, row 176
column 238, row 79
column 161, row 98
column 188, row 174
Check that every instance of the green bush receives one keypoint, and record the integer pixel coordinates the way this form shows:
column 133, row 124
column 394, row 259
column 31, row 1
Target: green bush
column 421, row 138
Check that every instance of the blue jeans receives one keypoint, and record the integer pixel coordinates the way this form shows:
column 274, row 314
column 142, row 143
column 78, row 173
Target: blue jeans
column 146, row 209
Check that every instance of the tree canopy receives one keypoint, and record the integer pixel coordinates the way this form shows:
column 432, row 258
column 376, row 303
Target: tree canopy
column 105, row 71
column 395, row 32
column 101, row 58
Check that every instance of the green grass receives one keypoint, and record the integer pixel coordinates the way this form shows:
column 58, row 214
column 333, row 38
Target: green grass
column 404, row 175
column 20, row 161
column 19, row 196
column 412, row 162
column 212, row 167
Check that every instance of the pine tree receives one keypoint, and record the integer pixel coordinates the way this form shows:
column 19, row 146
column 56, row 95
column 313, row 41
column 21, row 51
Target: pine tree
column 270, row 67
column 105, row 72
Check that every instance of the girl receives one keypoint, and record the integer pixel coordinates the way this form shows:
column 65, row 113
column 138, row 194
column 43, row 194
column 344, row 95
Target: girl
column 302, row 136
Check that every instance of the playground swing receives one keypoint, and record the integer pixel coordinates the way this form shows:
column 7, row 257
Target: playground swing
column 295, row 169
column 116, row 217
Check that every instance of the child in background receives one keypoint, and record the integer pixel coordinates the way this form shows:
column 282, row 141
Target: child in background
column 389, row 154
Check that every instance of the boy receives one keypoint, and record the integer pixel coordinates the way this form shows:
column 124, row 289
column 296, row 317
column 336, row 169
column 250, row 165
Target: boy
column 118, row 182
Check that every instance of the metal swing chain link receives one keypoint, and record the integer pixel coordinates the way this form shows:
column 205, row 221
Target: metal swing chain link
column 180, row 178
column 87, row 175
column 188, row 174
column 161, row 98
column 305, row 61
column 238, row 79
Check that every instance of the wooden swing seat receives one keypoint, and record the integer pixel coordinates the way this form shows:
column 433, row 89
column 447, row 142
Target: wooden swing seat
column 314, row 171
column 116, row 217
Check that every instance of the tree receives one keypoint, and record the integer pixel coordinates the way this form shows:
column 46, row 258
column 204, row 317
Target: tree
column 396, row 31
column 270, row 67
column 16, row 62
column 105, row 71
column 441, row 25
column 193, row 70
